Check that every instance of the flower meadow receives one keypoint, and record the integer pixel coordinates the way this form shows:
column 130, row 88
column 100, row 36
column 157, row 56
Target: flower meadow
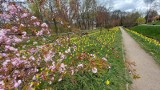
column 29, row 60
column 149, row 44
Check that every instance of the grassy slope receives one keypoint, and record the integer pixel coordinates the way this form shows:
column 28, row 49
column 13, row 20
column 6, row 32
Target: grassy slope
column 156, row 23
column 108, row 44
column 149, row 46
column 149, row 31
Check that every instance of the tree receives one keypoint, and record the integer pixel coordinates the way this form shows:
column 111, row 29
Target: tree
column 141, row 20
column 151, row 14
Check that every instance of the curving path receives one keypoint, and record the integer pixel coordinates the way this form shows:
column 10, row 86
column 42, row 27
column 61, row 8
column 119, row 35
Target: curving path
column 146, row 67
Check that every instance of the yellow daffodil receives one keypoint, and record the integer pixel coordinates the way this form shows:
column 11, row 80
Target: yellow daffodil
column 107, row 82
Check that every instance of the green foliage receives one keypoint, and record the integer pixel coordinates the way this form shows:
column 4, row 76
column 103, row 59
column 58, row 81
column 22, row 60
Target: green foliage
column 141, row 20
column 149, row 31
column 35, row 9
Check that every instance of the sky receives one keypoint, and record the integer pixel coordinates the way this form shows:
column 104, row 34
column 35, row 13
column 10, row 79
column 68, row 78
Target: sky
column 126, row 5
column 130, row 5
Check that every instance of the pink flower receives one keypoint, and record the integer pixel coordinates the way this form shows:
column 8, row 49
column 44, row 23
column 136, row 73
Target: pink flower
column 33, row 18
column 44, row 25
column 16, row 84
column 32, row 58
column 39, row 33
column 11, row 48
column 17, row 40
column 6, row 62
column 53, row 66
column 62, row 68
column 94, row 70
column 22, row 25
column 15, row 29
column 36, row 23
column 49, row 56
column 24, row 15
column 12, row 9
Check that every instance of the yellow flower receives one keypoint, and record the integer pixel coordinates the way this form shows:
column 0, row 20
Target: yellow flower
column 33, row 89
column 107, row 82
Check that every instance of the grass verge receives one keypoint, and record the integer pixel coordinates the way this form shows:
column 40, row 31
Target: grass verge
column 149, row 44
column 149, row 31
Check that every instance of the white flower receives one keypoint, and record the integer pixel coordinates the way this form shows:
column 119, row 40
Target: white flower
column 92, row 55
column 109, row 67
column 60, row 79
column 80, row 66
column 94, row 70
column 33, row 18
column 68, row 51
column 104, row 59
column 34, row 43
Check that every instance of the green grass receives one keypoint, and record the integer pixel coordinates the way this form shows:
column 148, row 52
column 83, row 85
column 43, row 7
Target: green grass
column 148, row 44
column 107, row 44
column 149, row 31
column 156, row 23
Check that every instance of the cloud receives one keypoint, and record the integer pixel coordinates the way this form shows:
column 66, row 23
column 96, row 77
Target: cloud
column 148, row 1
column 128, row 5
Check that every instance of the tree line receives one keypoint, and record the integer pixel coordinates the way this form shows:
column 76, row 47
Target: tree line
column 74, row 15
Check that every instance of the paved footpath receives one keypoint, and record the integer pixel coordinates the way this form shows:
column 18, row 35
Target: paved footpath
column 146, row 66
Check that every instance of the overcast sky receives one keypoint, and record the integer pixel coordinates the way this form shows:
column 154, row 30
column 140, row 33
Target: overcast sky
column 130, row 5
column 126, row 5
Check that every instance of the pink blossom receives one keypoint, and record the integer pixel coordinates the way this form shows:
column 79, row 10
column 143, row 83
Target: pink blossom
column 33, row 18
column 16, row 84
column 22, row 25
column 39, row 33
column 12, row 9
column 53, row 66
column 6, row 62
column 5, row 16
column 17, row 40
column 62, row 68
column 44, row 25
column 49, row 56
column 24, row 15
column 10, row 48
column 36, row 23
column 14, row 28
column 32, row 58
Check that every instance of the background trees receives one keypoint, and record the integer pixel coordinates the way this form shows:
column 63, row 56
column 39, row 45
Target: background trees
column 75, row 15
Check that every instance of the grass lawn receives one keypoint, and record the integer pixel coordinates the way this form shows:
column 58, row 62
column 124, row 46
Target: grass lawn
column 149, row 31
